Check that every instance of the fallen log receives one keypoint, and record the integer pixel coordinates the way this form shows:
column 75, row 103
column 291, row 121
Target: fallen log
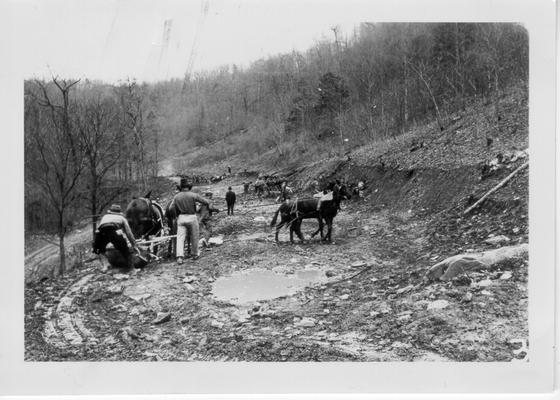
column 499, row 185
column 463, row 263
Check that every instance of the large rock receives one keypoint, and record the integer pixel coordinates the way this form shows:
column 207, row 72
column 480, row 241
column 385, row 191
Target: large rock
column 461, row 263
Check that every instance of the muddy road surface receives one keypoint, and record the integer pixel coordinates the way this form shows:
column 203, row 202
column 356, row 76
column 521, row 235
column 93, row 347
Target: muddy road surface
column 359, row 298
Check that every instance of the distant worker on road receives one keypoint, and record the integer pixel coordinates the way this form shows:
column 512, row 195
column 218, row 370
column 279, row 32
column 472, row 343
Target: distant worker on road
column 246, row 187
column 230, row 201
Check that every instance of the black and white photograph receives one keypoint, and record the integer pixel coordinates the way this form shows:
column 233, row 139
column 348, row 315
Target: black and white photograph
column 212, row 182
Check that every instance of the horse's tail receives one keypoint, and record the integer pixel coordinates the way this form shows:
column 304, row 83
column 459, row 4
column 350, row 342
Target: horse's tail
column 273, row 222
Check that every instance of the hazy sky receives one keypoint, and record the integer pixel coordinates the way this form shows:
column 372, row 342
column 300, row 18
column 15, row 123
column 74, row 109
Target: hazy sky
column 113, row 39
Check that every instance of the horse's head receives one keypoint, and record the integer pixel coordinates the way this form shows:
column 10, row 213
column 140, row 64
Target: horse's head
column 140, row 216
column 344, row 193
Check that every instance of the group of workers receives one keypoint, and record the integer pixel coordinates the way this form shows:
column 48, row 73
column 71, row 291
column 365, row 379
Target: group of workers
column 114, row 227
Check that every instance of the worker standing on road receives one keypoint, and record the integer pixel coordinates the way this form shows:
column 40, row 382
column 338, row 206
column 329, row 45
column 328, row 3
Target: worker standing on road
column 230, row 200
column 184, row 206
column 114, row 228
column 246, row 187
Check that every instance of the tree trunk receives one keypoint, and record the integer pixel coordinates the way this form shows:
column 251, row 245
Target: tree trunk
column 61, row 249
column 432, row 97
column 405, row 116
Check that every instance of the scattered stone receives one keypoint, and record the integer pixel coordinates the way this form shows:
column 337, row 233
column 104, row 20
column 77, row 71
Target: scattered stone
column 216, row 241
column 405, row 289
column 109, row 340
column 358, row 264
column 134, row 311
column 260, row 218
column 121, row 277
column 326, row 311
column 130, row 332
column 140, row 297
column 438, row 304
column 407, row 312
column 500, row 239
column 400, row 345
column 404, row 318
column 152, row 356
column 374, row 314
column 242, row 316
column 293, row 260
column 344, row 297
column 189, row 279
column 216, row 324
column 462, row 280
column 161, row 318
column 486, row 293
column 515, row 230
column 467, row 297
column 115, row 289
column 38, row 305
column 189, row 287
column 306, row 322
column 484, row 283
column 505, row 276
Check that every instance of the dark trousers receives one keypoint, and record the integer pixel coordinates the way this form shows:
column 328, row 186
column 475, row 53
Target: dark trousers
column 108, row 234
column 230, row 208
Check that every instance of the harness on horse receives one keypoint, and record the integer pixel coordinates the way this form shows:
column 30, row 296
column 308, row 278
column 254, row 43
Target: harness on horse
column 154, row 220
column 294, row 210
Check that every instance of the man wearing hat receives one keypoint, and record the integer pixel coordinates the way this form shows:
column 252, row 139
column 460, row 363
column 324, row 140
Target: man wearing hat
column 184, row 206
column 113, row 228
column 230, row 201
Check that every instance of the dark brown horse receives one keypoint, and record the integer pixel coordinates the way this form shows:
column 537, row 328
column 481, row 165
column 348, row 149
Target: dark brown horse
column 292, row 213
column 145, row 217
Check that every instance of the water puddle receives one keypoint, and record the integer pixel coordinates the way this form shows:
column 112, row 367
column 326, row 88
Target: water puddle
column 244, row 287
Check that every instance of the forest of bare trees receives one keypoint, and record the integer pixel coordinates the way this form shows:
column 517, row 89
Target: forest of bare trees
column 87, row 143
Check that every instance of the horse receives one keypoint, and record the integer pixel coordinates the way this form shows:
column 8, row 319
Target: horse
column 293, row 212
column 145, row 217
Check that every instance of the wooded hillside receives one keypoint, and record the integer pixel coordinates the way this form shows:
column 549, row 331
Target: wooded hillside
column 88, row 144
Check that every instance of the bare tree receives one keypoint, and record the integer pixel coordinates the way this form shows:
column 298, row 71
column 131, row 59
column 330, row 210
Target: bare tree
column 101, row 137
column 60, row 157
column 421, row 71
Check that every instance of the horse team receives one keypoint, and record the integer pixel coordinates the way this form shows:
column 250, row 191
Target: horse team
column 147, row 219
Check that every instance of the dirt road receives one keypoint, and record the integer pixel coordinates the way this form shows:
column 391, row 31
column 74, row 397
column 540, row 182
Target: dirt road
column 361, row 297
